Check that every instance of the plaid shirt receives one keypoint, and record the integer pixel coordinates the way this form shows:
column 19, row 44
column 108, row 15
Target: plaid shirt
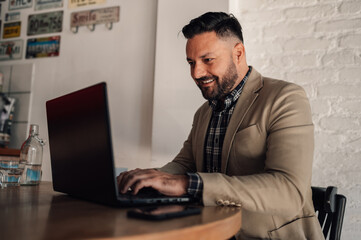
column 215, row 136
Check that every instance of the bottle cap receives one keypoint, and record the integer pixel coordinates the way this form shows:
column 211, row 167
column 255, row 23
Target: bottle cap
column 34, row 129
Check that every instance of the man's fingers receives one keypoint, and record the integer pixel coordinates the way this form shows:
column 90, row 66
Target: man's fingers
column 141, row 184
column 172, row 185
column 130, row 178
column 119, row 179
column 123, row 178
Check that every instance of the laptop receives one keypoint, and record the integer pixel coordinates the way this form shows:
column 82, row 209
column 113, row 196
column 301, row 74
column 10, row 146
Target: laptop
column 81, row 151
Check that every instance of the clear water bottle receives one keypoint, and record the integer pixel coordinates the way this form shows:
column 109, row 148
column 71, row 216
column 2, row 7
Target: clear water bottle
column 31, row 157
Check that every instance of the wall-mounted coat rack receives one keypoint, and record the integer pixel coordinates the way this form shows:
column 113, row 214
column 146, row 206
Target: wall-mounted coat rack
column 91, row 18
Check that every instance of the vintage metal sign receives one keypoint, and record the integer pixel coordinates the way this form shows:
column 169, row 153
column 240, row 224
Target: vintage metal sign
column 49, row 22
column 92, row 17
column 12, row 16
column 11, row 50
column 82, row 3
column 43, row 47
column 12, row 29
column 18, row 4
column 47, row 4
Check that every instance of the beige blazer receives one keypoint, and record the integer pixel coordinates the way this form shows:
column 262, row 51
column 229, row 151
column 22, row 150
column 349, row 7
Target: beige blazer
column 266, row 161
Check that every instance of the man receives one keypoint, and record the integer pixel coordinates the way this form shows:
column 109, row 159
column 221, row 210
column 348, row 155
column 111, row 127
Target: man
column 251, row 144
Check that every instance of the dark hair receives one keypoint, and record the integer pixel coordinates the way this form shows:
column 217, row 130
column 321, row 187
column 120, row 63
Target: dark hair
column 225, row 25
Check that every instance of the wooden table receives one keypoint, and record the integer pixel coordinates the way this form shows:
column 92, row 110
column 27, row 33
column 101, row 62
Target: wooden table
column 37, row 212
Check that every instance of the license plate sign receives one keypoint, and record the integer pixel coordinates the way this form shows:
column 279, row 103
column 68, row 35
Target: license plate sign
column 46, row 4
column 11, row 50
column 50, row 22
column 82, row 3
column 18, row 4
column 12, row 29
column 97, row 16
column 43, row 47
column 12, row 16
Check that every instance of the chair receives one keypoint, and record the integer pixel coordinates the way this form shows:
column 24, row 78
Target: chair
column 330, row 207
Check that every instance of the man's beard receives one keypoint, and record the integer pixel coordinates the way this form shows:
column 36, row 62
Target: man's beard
column 220, row 89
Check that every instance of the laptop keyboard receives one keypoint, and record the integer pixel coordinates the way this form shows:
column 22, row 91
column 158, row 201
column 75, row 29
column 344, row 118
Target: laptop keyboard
column 147, row 192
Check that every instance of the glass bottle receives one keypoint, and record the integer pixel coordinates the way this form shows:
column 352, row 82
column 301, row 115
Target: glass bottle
column 31, row 157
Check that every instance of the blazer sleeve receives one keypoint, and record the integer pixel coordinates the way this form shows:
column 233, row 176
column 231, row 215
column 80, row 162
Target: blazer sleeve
column 281, row 187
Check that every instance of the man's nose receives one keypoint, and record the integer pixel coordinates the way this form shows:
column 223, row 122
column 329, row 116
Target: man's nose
column 198, row 71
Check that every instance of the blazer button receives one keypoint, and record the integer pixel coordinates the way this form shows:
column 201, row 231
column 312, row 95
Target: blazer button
column 226, row 203
column 220, row 202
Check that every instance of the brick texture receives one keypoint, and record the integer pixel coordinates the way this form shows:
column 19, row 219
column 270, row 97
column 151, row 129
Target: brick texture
column 317, row 44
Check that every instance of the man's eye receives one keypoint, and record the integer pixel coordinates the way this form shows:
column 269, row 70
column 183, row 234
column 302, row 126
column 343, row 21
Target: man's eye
column 190, row 63
column 208, row 60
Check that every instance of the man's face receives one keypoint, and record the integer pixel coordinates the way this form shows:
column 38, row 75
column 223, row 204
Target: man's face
column 212, row 66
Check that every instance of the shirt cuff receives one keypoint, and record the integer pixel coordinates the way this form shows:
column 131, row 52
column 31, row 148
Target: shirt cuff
column 195, row 187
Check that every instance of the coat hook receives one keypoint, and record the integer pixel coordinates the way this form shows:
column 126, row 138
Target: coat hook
column 91, row 27
column 109, row 25
column 75, row 29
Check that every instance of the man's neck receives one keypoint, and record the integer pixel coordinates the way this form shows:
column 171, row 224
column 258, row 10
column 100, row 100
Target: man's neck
column 241, row 75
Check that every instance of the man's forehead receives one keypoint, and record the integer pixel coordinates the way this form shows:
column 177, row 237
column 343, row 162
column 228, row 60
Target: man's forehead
column 203, row 46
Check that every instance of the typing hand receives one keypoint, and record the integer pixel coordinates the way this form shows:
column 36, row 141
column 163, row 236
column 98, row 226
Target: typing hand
column 165, row 183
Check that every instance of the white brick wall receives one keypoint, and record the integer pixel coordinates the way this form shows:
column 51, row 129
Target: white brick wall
column 317, row 44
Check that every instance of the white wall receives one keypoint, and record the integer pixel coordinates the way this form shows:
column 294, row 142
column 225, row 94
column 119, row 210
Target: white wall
column 176, row 96
column 123, row 57
column 317, row 44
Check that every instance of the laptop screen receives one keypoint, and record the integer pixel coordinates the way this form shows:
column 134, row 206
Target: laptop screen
column 80, row 144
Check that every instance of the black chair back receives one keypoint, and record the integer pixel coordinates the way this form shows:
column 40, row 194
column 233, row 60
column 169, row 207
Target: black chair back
column 330, row 208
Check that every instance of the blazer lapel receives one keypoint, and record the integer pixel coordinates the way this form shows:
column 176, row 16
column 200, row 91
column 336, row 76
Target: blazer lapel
column 201, row 134
column 245, row 101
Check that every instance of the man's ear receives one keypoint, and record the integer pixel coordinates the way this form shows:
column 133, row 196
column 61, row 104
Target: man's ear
column 239, row 52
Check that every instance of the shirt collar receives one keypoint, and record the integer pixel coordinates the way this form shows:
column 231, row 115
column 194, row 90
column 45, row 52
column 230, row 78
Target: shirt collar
column 232, row 97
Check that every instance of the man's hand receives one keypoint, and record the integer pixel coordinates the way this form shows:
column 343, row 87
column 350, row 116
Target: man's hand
column 167, row 184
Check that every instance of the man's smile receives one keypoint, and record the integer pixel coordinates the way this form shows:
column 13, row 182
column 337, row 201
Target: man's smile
column 205, row 83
